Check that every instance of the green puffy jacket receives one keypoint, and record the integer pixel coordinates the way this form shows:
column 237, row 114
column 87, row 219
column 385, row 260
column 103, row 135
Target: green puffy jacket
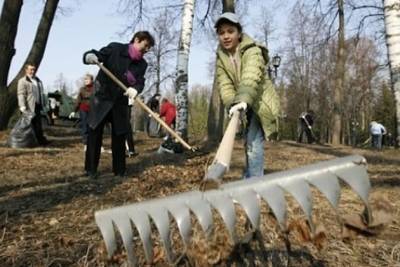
column 253, row 86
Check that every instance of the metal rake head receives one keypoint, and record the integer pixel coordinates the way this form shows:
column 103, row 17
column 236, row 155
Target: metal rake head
column 247, row 193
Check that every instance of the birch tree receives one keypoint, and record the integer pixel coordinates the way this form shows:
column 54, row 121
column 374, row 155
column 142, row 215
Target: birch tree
column 392, row 29
column 181, row 81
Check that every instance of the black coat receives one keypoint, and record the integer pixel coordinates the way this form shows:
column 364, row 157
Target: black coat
column 108, row 96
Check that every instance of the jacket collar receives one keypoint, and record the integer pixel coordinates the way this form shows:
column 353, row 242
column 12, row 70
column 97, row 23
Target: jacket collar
column 243, row 45
column 30, row 80
column 124, row 50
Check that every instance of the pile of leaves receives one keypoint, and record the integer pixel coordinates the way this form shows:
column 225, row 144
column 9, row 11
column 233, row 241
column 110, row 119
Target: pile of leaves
column 47, row 207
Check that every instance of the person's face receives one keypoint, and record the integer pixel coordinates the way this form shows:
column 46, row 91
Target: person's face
column 88, row 81
column 30, row 71
column 229, row 36
column 143, row 46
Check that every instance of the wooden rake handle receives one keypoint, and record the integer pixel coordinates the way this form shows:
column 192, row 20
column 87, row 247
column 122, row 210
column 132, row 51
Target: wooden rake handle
column 146, row 108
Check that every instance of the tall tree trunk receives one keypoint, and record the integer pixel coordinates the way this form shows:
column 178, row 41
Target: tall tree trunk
column 181, row 81
column 340, row 74
column 158, row 74
column 8, row 31
column 392, row 28
column 215, row 120
column 35, row 57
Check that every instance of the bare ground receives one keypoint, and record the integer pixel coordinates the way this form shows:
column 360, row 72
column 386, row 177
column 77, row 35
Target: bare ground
column 47, row 206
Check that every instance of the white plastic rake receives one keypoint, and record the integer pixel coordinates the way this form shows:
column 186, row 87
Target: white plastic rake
column 247, row 193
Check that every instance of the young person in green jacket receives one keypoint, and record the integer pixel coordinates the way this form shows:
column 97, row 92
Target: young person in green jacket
column 244, row 86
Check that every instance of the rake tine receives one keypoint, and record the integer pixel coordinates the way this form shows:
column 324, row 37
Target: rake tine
column 328, row 184
column 275, row 199
column 123, row 225
column 181, row 214
column 104, row 222
column 251, row 205
column 142, row 224
column 161, row 219
column 300, row 190
column 224, row 205
column 357, row 178
column 201, row 208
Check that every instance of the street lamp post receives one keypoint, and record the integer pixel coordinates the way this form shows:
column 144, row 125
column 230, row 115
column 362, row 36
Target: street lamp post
column 276, row 62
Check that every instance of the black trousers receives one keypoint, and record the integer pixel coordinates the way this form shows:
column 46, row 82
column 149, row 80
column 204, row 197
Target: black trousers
column 37, row 126
column 93, row 150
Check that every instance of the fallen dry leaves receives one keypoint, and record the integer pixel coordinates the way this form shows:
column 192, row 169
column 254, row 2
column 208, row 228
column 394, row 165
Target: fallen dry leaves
column 47, row 208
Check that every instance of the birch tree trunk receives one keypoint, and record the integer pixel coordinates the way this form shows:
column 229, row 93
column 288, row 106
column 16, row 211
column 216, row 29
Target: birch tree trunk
column 8, row 102
column 340, row 75
column 181, row 82
column 215, row 120
column 392, row 28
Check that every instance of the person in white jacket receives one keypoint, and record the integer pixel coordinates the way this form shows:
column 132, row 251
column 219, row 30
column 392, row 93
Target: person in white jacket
column 30, row 100
column 377, row 131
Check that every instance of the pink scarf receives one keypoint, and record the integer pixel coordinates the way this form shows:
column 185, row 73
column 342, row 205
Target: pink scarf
column 134, row 54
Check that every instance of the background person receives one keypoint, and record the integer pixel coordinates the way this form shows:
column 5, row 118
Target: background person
column 54, row 100
column 30, row 100
column 152, row 127
column 168, row 112
column 82, row 104
column 110, row 103
column 244, row 86
column 377, row 130
column 305, row 124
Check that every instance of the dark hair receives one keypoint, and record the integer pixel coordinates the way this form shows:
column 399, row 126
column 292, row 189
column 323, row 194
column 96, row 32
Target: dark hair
column 143, row 35
column 29, row 64
column 227, row 21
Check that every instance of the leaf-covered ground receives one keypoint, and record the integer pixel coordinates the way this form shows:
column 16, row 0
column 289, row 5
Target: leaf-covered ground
column 47, row 206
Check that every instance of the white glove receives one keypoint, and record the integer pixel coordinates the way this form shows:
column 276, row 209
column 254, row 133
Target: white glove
column 91, row 58
column 22, row 109
column 237, row 107
column 131, row 93
column 71, row 115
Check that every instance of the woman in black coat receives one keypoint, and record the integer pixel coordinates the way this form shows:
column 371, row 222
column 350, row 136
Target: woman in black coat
column 109, row 102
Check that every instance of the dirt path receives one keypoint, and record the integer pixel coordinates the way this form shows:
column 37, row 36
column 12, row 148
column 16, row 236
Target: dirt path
column 47, row 205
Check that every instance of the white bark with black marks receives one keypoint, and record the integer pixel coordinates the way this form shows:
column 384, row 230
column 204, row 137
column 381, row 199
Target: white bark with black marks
column 392, row 28
column 181, row 82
